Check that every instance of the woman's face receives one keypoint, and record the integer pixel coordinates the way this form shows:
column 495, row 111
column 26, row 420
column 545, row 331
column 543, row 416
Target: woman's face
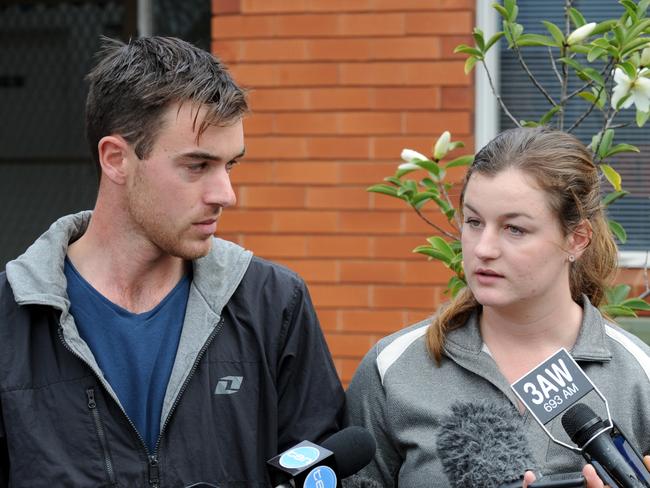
column 514, row 250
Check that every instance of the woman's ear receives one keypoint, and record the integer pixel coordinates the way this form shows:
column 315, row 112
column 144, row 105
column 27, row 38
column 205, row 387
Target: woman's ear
column 113, row 155
column 580, row 238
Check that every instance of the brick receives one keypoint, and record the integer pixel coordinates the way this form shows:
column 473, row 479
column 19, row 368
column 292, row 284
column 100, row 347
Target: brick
column 255, row 6
column 264, row 147
column 397, row 246
column 370, row 123
column 380, row 201
column 276, row 246
column 423, row 4
column 340, row 98
column 371, row 272
column 238, row 220
column 314, row 270
column 390, row 147
column 338, row 147
column 274, row 50
column 406, row 73
column 306, row 221
column 338, row 246
column 377, row 321
column 371, row 222
column 347, row 369
column 335, row 296
column 425, row 272
column 306, row 172
column 348, row 345
column 340, row 49
column 307, row 123
column 285, row 74
column 259, row 124
column 367, row 173
column 449, row 43
column 407, row 48
column 438, row 122
column 406, row 98
column 390, row 24
column 232, row 26
column 411, row 297
column 228, row 51
column 328, row 320
column 272, row 197
column 273, row 98
column 415, row 316
column 307, row 25
column 226, row 7
column 251, row 172
column 337, row 198
column 439, row 23
column 455, row 98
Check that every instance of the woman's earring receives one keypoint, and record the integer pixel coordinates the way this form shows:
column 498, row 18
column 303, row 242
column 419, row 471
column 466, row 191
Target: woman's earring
column 572, row 258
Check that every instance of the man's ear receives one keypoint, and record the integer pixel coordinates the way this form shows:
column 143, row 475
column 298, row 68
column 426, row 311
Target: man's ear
column 113, row 158
column 580, row 238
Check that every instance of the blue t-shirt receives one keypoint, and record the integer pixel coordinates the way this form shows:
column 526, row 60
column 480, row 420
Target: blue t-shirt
column 136, row 351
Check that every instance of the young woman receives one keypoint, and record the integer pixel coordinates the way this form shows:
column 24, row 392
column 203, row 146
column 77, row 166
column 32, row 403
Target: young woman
column 537, row 257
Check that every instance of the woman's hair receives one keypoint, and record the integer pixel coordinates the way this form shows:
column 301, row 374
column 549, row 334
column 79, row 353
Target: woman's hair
column 562, row 167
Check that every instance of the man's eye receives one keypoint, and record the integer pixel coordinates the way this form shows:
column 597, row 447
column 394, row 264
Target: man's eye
column 196, row 168
column 231, row 164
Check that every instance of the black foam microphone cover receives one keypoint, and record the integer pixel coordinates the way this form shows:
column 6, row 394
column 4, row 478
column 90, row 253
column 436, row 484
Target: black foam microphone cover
column 353, row 448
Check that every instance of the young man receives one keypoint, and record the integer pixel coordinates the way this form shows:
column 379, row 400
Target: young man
column 135, row 348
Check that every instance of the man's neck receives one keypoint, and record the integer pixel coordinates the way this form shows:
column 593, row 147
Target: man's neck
column 130, row 273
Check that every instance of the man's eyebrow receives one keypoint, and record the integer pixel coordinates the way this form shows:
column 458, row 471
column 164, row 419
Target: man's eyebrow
column 509, row 215
column 208, row 156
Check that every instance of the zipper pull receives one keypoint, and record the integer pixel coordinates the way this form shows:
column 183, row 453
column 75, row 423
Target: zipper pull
column 153, row 471
column 90, row 393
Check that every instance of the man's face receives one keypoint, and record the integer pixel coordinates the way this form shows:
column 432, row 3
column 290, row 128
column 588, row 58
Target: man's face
column 176, row 194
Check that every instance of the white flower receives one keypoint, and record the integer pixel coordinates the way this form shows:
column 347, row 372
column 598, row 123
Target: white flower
column 410, row 154
column 638, row 87
column 581, row 33
column 645, row 57
column 442, row 145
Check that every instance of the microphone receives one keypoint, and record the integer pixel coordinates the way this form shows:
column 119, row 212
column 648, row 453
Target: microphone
column 600, row 446
column 310, row 465
column 482, row 444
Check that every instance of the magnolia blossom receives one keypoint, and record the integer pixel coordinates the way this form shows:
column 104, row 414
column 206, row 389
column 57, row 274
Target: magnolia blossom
column 410, row 154
column 442, row 145
column 639, row 89
column 581, row 33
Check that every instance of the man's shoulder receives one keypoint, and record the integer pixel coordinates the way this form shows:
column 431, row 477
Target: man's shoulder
column 261, row 268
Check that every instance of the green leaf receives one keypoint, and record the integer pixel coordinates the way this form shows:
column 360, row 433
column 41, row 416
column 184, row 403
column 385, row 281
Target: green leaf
column 620, row 148
column 589, row 96
column 641, row 118
column 454, row 285
column 462, row 48
column 612, row 176
column 478, row 39
column 634, row 44
column 510, row 7
column 432, row 253
column 469, row 64
column 603, row 27
column 576, row 17
column 595, row 52
column 618, row 230
column 528, row 123
column 384, row 189
column 594, row 75
column 461, row 161
column 430, row 166
column 629, row 68
column 394, row 180
column 616, row 294
column 455, row 145
column 420, row 199
column 618, row 311
column 636, row 304
column 573, row 63
column 630, row 7
column 549, row 115
column 501, row 10
column 536, row 40
column 613, row 196
column 554, row 31
column 492, row 40
column 441, row 245
column 605, row 144
column 406, row 168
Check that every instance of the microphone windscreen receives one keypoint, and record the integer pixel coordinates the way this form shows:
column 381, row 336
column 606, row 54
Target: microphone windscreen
column 357, row 481
column 483, row 444
column 353, row 448
column 580, row 422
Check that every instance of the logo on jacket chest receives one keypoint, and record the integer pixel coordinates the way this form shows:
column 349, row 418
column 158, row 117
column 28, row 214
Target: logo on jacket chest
column 228, row 385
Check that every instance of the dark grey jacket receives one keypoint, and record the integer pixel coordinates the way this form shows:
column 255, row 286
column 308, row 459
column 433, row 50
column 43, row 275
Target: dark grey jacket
column 400, row 395
column 252, row 376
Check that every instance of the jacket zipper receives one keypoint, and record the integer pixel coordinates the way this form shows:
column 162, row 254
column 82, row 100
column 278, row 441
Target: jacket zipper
column 99, row 427
column 153, row 467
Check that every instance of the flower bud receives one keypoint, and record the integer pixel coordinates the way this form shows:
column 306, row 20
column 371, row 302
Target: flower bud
column 409, row 154
column 442, row 146
column 581, row 33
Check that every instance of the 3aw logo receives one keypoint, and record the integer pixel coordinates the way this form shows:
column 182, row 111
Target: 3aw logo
column 228, row 385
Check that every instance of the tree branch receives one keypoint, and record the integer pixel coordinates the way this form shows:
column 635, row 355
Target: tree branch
column 557, row 73
column 435, row 226
column 498, row 97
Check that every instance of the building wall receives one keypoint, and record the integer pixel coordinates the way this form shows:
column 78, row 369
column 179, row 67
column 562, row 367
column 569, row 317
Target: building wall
column 338, row 88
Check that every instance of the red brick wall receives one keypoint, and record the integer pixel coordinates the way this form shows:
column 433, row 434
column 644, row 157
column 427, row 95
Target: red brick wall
column 338, row 89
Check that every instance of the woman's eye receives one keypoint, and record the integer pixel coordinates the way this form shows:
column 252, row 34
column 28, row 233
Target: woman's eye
column 472, row 222
column 514, row 230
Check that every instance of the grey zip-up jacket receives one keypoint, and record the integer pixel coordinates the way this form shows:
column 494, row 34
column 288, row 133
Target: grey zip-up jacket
column 252, row 376
column 400, row 395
